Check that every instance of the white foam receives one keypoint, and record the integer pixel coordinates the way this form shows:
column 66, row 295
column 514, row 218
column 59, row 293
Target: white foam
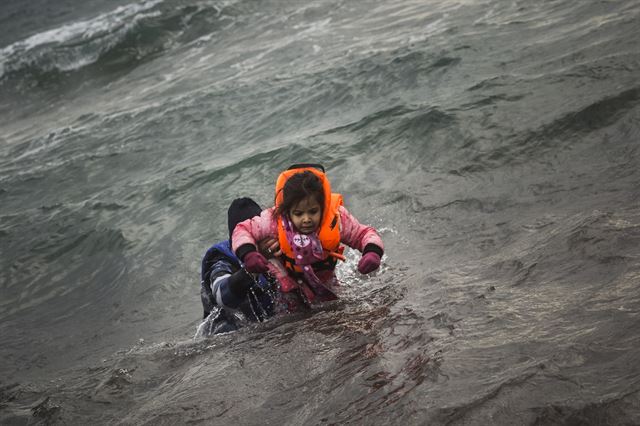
column 79, row 31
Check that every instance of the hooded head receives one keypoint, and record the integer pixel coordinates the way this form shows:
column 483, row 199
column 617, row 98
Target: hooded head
column 240, row 210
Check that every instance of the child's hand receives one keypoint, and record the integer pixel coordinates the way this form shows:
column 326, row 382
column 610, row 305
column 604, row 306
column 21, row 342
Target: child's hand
column 256, row 263
column 369, row 262
column 269, row 247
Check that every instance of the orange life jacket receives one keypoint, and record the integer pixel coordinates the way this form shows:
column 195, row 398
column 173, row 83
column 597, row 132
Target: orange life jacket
column 329, row 231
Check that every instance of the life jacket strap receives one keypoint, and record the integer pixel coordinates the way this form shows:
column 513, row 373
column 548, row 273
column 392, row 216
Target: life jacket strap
column 322, row 265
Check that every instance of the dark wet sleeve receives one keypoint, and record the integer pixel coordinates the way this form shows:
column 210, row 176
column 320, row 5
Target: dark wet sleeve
column 211, row 257
column 230, row 290
column 214, row 265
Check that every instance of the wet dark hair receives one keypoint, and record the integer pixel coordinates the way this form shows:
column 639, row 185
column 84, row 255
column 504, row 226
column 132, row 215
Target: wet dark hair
column 298, row 187
column 240, row 210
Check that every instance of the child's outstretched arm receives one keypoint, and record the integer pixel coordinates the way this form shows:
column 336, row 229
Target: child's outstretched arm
column 363, row 238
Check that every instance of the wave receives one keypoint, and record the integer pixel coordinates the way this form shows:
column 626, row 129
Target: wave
column 567, row 129
column 120, row 39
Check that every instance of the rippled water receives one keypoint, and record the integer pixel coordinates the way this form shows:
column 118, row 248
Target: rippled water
column 494, row 144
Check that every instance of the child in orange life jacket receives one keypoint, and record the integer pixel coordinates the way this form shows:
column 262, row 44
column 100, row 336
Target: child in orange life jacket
column 309, row 223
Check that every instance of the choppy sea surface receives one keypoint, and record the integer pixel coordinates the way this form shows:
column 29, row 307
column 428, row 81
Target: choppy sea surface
column 494, row 144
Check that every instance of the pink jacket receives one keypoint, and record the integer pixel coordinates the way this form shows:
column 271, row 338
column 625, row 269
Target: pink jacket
column 352, row 232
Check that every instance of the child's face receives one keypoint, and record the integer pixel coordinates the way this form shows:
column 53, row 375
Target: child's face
column 306, row 215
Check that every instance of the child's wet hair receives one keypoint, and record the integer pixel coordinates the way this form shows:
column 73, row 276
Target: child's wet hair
column 298, row 187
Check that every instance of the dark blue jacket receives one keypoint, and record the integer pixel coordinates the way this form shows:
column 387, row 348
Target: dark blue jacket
column 224, row 284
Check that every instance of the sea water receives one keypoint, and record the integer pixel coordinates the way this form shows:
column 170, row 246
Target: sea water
column 494, row 144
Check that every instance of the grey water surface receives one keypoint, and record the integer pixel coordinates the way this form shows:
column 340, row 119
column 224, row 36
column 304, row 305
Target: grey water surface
column 494, row 144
